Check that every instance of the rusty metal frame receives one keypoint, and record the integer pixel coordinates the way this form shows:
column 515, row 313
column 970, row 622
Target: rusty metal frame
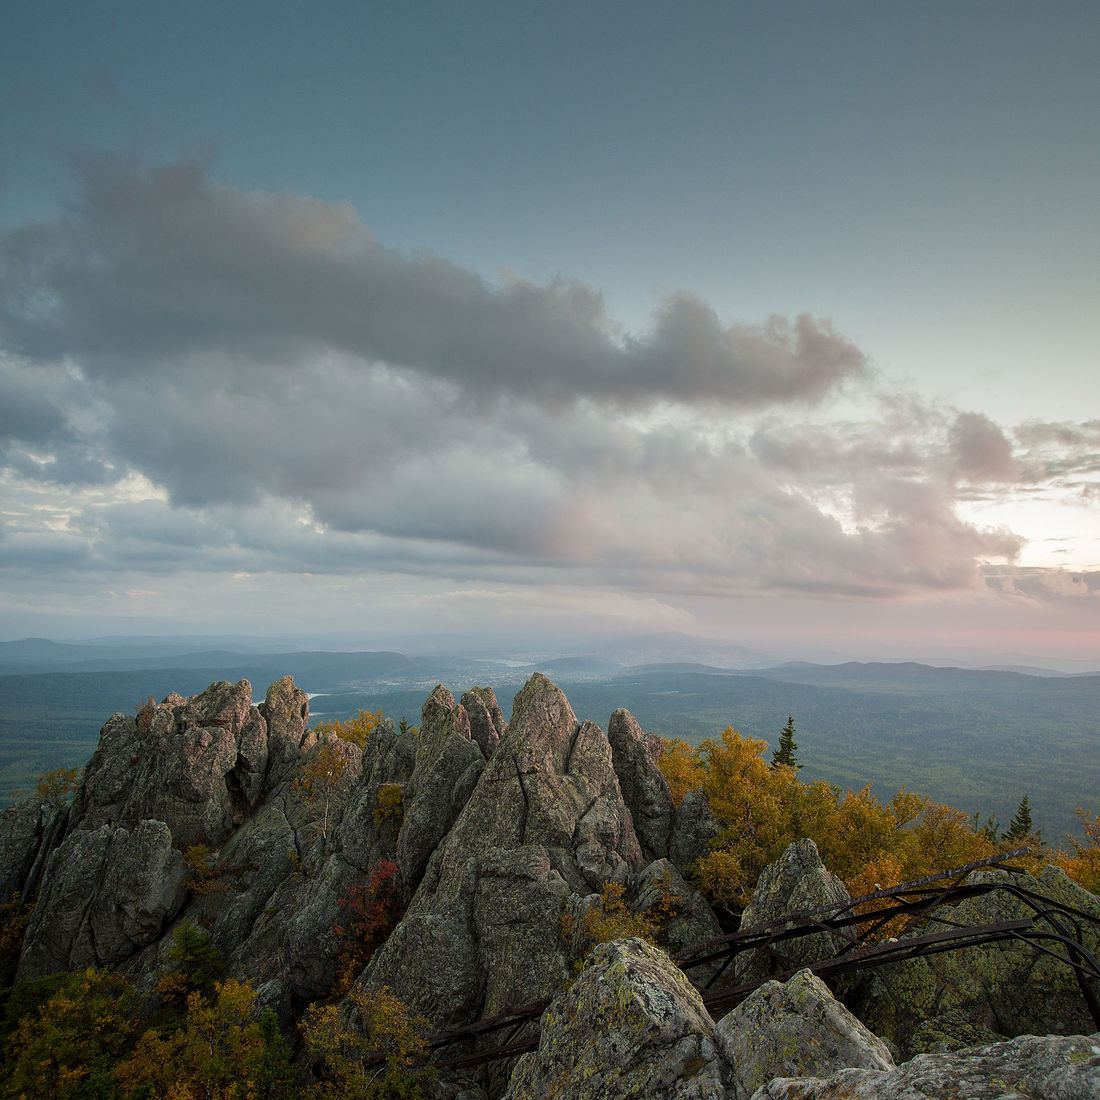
column 1050, row 923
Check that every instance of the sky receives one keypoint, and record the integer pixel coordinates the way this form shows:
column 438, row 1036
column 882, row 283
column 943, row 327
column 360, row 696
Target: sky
column 773, row 324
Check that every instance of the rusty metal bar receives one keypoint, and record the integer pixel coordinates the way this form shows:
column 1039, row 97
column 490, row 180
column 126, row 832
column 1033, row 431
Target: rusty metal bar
column 916, row 899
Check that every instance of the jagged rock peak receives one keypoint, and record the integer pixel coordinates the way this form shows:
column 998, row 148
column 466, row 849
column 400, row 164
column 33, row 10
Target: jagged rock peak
column 487, row 724
column 545, row 820
column 200, row 765
column 796, row 882
column 543, row 722
column 180, row 773
column 645, row 789
column 446, row 768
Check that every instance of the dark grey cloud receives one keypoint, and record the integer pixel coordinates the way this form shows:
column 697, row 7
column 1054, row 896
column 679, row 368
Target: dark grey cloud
column 155, row 268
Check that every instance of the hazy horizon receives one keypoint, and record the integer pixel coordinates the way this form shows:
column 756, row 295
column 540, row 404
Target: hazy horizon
column 527, row 650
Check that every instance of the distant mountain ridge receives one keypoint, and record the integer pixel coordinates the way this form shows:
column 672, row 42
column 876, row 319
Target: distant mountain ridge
column 977, row 739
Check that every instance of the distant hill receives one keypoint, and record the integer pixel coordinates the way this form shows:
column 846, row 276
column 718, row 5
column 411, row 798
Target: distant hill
column 978, row 739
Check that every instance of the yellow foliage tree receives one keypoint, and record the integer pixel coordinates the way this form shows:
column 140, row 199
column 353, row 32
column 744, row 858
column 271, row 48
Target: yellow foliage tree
column 323, row 774
column 68, row 1046
column 356, row 730
column 377, row 1054
column 1083, row 866
column 610, row 918
column 57, row 786
column 221, row 1052
column 866, row 843
column 681, row 766
column 753, row 804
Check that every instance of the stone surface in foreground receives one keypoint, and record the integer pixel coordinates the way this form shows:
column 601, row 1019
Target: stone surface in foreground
column 1052, row 1067
column 631, row 1025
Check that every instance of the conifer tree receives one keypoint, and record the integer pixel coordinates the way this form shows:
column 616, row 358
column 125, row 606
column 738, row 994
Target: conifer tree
column 1020, row 827
column 785, row 754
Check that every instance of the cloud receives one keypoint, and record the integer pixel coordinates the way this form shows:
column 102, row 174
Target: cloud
column 981, row 450
column 1060, row 454
column 199, row 379
column 156, row 269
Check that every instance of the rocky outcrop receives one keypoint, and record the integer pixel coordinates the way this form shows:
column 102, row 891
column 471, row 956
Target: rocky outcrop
column 631, row 1025
column 106, row 893
column 181, row 773
column 285, row 710
column 794, row 1029
column 645, row 790
column 678, row 909
column 447, row 766
column 794, row 883
column 276, row 923
column 1052, row 1067
column 545, row 820
column 693, row 829
column 951, row 999
column 29, row 831
column 503, row 836
column 199, row 764
column 487, row 724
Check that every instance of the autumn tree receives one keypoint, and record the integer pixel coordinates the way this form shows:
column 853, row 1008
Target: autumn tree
column 221, row 1050
column 1083, row 866
column 356, row 730
column 762, row 809
column 681, row 767
column 608, row 918
column 370, row 913
column 15, row 915
column 748, row 806
column 57, row 787
column 376, row 1051
column 323, row 775
column 784, row 756
column 193, row 965
column 67, row 1047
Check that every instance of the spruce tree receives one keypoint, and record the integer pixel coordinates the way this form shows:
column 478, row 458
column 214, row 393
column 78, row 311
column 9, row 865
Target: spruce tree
column 784, row 755
column 1019, row 828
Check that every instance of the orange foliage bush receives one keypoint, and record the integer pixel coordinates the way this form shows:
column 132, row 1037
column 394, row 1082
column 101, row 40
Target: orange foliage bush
column 356, row 730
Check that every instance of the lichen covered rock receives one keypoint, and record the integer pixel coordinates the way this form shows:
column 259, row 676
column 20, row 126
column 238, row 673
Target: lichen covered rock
column 645, row 789
column 631, row 1025
column 796, row 882
column 917, row 1004
column 1052, row 1067
column 106, row 894
column 795, row 1029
